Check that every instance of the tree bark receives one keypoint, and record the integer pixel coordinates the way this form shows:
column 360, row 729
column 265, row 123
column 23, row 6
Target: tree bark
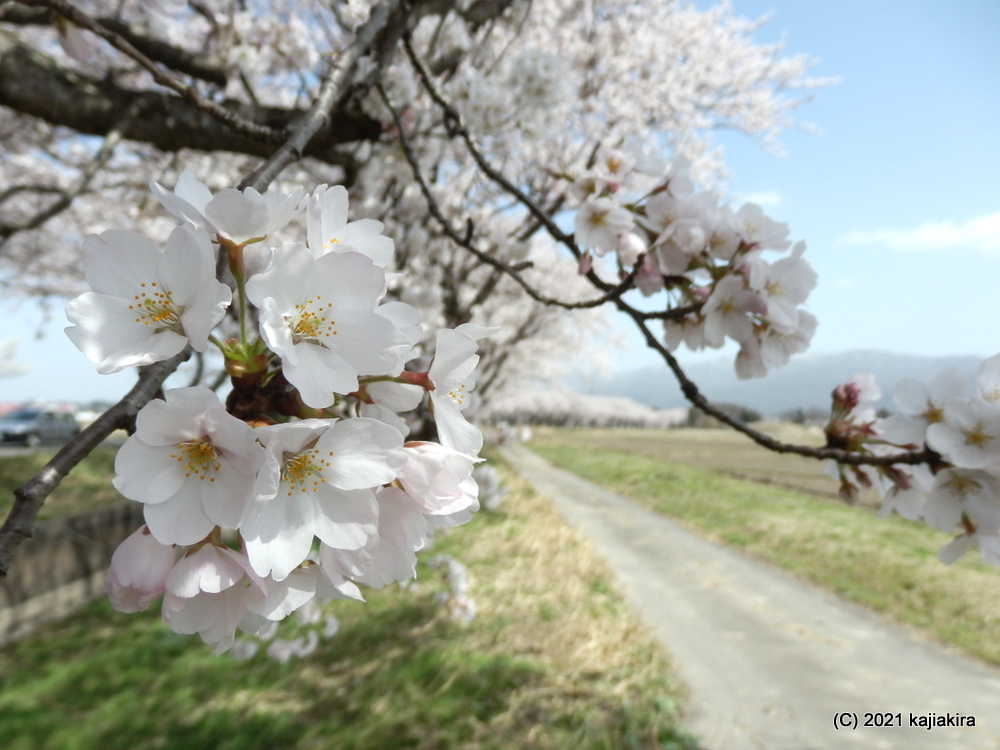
column 33, row 84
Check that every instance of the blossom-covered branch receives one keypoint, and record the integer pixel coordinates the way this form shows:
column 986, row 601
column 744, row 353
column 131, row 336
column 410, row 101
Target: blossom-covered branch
column 466, row 239
column 205, row 67
column 164, row 77
column 66, row 198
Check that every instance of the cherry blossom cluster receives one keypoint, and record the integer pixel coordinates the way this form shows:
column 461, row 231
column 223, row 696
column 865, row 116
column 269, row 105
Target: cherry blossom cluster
column 959, row 487
column 706, row 257
column 300, row 486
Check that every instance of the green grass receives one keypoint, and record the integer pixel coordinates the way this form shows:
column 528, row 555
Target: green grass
column 889, row 565
column 553, row 659
column 87, row 486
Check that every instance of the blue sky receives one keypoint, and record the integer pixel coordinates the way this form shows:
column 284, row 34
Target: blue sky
column 898, row 196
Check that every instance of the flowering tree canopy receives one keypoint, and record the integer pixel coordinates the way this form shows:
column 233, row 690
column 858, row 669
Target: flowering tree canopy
column 99, row 106
column 354, row 204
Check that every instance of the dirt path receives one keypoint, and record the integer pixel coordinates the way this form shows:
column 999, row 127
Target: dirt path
column 770, row 661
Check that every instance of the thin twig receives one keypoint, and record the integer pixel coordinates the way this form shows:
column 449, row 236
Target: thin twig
column 333, row 90
column 465, row 240
column 692, row 394
column 453, row 122
column 111, row 141
column 455, row 125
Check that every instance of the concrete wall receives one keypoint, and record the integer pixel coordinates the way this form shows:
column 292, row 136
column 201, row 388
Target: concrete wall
column 62, row 566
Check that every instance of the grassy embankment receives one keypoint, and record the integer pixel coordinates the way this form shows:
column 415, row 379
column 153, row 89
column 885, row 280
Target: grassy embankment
column 87, row 486
column 552, row 660
column 890, row 565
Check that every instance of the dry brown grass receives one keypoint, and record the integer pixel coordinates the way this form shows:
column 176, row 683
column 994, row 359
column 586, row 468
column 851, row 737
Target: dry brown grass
column 553, row 595
column 721, row 451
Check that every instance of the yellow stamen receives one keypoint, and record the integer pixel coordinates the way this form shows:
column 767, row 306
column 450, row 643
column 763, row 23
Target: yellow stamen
column 304, row 471
column 198, row 457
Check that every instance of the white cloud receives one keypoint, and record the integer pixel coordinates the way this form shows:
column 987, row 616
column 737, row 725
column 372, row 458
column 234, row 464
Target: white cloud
column 978, row 233
column 763, row 198
column 8, row 365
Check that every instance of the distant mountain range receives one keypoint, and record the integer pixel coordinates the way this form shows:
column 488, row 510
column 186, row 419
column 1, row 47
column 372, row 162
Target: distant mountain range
column 804, row 383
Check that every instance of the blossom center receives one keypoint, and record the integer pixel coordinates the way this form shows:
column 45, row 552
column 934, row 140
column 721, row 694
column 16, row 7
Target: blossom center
column 458, row 394
column 775, row 289
column 311, row 321
column 960, row 486
column 933, row 414
column 156, row 308
column 598, row 219
column 978, row 436
column 198, row 458
column 304, row 471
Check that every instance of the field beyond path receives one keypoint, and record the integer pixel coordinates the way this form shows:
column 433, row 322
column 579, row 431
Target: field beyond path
column 770, row 660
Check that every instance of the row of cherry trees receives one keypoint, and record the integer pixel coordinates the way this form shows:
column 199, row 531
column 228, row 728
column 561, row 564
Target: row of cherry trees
column 469, row 148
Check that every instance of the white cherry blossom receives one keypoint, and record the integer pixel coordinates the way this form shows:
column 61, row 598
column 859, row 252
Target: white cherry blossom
column 146, row 305
column 452, row 374
column 726, row 311
column 386, row 400
column 599, row 223
column 988, row 380
column 964, row 492
column 921, row 405
column 389, row 555
column 206, row 593
column 759, row 230
column 784, row 285
column 438, row 478
column 329, row 230
column 319, row 315
column 909, row 501
column 191, row 463
column 317, row 481
column 969, row 433
column 238, row 216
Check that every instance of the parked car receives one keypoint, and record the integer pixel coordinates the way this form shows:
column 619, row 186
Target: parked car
column 33, row 427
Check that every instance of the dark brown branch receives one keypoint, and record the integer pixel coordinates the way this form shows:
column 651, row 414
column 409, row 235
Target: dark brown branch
column 167, row 78
column 28, row 499
column 13, row 190
column 203, row 67
column 453, row 121
column 35, row 85
column 692, row 394
column 482, row 11
column 674, row 313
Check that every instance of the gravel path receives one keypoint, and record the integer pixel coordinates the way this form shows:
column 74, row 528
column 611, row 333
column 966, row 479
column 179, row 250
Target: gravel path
column 769, row 660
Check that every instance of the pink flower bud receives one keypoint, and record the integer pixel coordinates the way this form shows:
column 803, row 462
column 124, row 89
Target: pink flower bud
column 139, row 569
